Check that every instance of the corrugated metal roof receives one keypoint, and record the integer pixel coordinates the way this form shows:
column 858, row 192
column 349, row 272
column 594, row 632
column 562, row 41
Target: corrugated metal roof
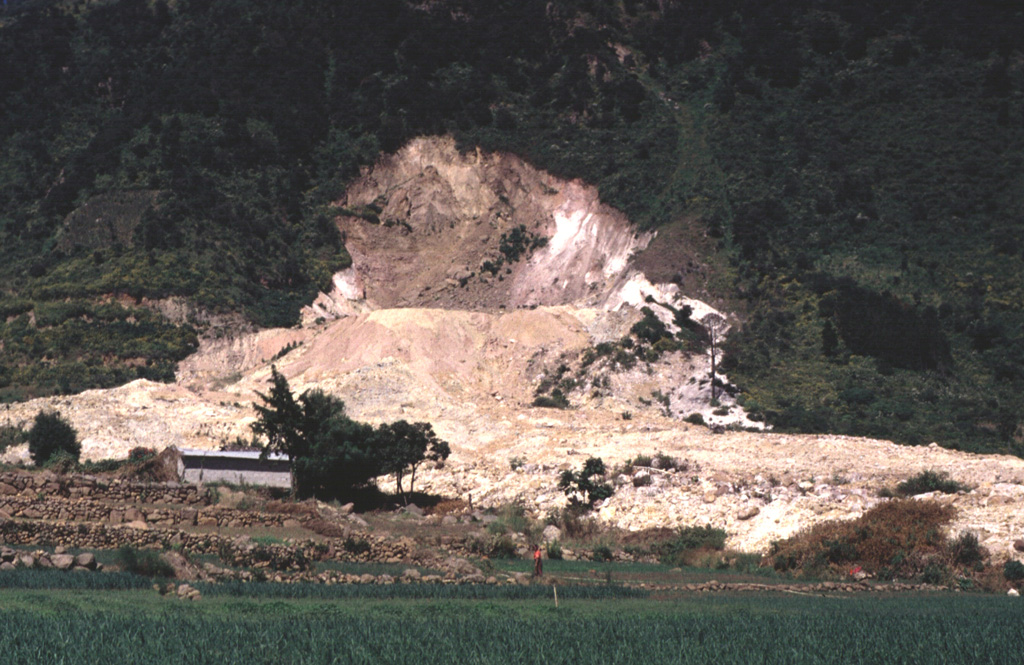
column 233, row 454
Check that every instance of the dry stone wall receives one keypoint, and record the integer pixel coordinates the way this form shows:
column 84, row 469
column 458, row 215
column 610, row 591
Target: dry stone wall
column 17, row 483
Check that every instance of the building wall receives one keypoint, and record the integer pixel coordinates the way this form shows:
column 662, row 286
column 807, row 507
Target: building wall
column 265, row 473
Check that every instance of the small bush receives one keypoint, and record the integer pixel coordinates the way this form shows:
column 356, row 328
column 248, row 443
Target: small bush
column 644, row 480
column 694, row 419
column 556, row 400
column 356, row 545
column 512, row 518
column 1013, row 570
column 51, row 433
column 688, row 541
column 147, row 563
column 554, row 550
column 929, row 481
column 966, row 550
column 573, row 523
column 11, row 435
column 583, row 488
column 501, row 547
column 667, row 462
column 642, row 460
column 601, row 553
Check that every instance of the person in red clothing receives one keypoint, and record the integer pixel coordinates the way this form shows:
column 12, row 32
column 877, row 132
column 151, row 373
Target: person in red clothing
column 538, row 567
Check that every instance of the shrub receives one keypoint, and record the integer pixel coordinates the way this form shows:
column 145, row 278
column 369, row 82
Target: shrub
column 689, row 540
column 602, row 553
column 512, row 518
column 51, row 433
column 694, row 419
column 642, row 460
column 147, row 563
column 501, row 547
column 556, row 400
column 1013, row 570
column 893, row 539
column 642, row 481
column 572, row 522
column 11, row 435
column 966, row 550
column 554, row 550
column 929, row 481
column 582, row 487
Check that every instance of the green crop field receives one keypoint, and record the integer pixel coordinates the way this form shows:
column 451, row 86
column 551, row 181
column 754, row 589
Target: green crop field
column 139, row 626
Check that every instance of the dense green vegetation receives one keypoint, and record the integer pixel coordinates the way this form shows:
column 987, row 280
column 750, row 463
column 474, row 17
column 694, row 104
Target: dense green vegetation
column 858, row 164
column 332, row 455
column 94, row 628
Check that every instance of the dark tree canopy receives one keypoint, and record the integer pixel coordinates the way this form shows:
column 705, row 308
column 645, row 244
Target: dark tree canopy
column 332, row 454
column 51, row 435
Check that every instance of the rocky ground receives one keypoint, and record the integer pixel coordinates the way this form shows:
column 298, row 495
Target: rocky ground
column 417, row 330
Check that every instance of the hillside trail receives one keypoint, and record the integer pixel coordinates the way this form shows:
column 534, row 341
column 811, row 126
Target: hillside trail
column 436, row 322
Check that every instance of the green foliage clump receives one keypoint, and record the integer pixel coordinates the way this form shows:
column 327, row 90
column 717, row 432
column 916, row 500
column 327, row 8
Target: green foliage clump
column 584, row 487
column 12, row 435
column 147, row 563
column 1013, row 570
column 556, row 400
column 690, row 541
column 51, row 435
column 331, row 454
column 929, row 481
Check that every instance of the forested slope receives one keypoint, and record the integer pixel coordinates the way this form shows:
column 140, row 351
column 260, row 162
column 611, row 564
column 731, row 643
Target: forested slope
column 852, row 168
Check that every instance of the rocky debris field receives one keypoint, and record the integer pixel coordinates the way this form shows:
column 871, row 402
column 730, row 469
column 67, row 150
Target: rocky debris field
column 400, row 338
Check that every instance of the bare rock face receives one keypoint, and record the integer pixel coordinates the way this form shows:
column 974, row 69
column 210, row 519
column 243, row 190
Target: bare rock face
column 425, row 228
column 427, row 326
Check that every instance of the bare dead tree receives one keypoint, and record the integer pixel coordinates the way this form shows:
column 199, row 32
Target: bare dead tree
column 715, row 326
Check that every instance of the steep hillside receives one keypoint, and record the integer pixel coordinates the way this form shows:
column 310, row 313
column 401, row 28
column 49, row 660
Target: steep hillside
column 474, row 366
column 844, row 174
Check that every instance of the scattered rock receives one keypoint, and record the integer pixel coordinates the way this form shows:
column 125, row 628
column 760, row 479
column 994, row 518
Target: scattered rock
column 1019, row 544
column 551, row 533
column 1012, row 592
column 748, row 512
column 86, row 560
column 62, row 561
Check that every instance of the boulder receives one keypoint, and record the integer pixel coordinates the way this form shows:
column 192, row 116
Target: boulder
column 411, row 575
column 709, row 497
column 26, row 561
column 1012, row 592
column 134, row 515
column 86, row 560
column 748, row 512
column 551, row 533
column 291, row 524
column 62, row 561
column 8, row 489
column 6, row 565
column 1019, row 544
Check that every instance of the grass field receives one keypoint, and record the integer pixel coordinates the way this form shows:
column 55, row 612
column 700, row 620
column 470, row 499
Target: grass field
column 139, row 626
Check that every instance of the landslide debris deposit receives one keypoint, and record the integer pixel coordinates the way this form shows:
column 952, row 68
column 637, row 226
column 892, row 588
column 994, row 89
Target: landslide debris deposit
column 435, row 322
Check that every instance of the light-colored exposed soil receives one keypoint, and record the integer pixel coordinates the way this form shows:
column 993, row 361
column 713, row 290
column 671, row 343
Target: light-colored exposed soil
column 413, row 331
